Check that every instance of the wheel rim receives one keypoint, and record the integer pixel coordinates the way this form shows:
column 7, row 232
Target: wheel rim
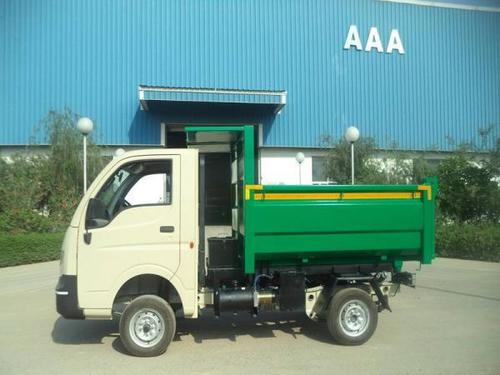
column 354, row 318
column 147, row 327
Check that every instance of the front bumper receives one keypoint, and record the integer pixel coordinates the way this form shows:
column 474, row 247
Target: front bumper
column 67, row 298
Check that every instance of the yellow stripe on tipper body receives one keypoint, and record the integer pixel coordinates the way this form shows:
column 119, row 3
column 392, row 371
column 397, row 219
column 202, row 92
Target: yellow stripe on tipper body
column 295, row 196
column 261, row 195
column 337, row 196
column 249, row 188
column 427, row 188
column 382, row 195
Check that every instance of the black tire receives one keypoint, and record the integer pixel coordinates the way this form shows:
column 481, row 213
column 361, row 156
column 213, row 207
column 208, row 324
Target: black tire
column 349, row 309
column 147, row 317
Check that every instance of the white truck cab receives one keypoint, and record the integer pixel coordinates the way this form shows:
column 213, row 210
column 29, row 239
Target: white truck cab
column 121, row 242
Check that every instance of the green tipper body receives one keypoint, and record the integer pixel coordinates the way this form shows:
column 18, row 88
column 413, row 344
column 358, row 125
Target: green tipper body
column 324, row 225
column 342, row 224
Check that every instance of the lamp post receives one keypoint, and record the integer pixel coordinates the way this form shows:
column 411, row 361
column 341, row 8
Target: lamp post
column 351, row 136
column 85, row 126
column 300, row 157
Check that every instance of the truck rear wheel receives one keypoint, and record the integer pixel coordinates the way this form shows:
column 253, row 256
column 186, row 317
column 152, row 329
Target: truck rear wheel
column 147, row 326
column 352, row 316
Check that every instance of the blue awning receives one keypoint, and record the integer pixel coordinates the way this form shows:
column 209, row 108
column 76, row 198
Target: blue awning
column 152, row 97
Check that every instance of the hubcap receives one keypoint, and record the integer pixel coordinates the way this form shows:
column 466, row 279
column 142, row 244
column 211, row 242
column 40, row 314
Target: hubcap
column 354, row 318
column 146, row 327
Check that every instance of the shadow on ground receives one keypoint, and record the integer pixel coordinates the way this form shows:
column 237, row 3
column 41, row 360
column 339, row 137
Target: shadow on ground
column 76, row 332
column 206, row 327
column 229, row 327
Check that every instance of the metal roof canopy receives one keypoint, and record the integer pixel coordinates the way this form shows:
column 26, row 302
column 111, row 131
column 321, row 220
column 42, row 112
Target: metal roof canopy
column 231, row 100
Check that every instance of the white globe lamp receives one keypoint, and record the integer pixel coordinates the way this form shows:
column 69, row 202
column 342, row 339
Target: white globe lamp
column 119, row 152
column 351, row 134
column 85, row 125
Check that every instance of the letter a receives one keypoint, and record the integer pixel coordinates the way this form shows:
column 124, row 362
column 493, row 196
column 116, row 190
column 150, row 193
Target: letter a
column 395, row 43
column 374, row 41
column 352, row 39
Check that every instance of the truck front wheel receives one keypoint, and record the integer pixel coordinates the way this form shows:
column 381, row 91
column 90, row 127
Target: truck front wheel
column 352, row 316
column 147, row 326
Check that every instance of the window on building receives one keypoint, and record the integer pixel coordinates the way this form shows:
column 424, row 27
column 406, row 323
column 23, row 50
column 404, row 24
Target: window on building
column 320, row 171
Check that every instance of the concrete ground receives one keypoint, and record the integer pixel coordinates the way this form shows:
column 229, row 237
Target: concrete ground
column 449, row 324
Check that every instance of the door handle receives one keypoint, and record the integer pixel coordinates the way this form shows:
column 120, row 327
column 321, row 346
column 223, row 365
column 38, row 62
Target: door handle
column 167, row 229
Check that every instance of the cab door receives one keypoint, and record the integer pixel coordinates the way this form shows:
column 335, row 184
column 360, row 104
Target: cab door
column 134, row 220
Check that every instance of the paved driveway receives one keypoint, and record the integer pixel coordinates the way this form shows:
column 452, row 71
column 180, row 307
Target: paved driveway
column 449, row 324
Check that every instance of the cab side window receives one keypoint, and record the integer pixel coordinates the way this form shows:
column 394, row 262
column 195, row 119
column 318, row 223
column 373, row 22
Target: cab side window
column 134, row 184
column 150, row 189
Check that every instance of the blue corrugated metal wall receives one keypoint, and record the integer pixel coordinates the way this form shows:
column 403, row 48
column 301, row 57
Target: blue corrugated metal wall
column 91, row 55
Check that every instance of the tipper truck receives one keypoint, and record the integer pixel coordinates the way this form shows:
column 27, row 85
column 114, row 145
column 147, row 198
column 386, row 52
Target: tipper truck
column 138, row 248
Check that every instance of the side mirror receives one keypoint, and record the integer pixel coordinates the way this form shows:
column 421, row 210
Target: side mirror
column 96, row 215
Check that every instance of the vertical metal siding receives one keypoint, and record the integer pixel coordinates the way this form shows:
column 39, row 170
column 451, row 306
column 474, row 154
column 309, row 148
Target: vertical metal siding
column 91, row 55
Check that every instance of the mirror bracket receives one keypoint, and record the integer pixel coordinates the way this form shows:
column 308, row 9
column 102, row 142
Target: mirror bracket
column 87, row 237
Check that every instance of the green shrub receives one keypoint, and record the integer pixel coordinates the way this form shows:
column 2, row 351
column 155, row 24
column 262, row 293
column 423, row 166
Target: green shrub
column 338, row 161
column 468, row 191
column 39, row 192
column 469, row 241
column 395, row 167
column 29, row 248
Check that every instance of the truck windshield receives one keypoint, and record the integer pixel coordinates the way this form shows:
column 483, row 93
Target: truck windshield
column 112, row 186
